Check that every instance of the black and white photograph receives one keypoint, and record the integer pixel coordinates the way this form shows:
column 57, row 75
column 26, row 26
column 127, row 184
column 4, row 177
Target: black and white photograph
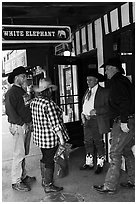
column 68, row 101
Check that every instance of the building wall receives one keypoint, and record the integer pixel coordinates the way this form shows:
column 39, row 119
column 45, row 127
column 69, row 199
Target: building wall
column 91, row 36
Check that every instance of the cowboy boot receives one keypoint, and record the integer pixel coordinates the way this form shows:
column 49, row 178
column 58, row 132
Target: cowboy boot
column 100, row 164
column 47, row 180
column 42, row 167
column 89, row 163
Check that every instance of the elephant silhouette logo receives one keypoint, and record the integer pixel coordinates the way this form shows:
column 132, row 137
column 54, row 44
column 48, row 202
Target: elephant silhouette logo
column 61, row 34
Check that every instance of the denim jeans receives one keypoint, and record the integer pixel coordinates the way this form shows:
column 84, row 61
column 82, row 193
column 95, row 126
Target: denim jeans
column 21, row 145
column 121, row 145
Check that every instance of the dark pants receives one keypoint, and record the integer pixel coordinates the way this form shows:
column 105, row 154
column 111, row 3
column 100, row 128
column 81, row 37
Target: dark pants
column 121, row 146
column 48, row 157
column 92, row 138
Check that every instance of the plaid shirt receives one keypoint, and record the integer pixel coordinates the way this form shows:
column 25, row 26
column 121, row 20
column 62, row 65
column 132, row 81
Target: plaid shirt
column 47, row 121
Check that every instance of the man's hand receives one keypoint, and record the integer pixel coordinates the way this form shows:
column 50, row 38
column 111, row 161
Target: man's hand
column 93, row 112
column 61, row 139
column 83, row 118
column 124, row 127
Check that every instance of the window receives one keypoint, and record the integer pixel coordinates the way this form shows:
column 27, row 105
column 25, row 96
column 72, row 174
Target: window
column 69, row 92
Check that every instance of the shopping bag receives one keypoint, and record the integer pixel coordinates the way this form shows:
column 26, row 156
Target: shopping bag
column 61, row 159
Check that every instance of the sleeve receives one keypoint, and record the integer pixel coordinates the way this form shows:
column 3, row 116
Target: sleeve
column 24, row 111
column 11, row 111
column 53, row 116
column 123, row 102
column 103, row 108
column 121, row 94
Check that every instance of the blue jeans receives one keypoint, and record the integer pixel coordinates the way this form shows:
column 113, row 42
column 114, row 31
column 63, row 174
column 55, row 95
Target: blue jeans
column 121, row 145
column 21, row 146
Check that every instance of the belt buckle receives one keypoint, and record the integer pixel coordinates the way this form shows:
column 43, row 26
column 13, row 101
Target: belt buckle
column 131, row 116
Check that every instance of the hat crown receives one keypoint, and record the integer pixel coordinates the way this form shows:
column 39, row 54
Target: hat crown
column 44, row 83
column 114, row 62
column 17, row 71
column 94, row 73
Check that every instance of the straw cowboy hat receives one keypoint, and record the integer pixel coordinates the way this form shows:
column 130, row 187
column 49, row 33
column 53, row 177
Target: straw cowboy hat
column 94, row 73
column 17, row 71
column 114, row 62
column 45, row 84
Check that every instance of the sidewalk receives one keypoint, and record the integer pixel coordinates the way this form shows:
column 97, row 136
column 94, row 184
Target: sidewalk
column 78, row 183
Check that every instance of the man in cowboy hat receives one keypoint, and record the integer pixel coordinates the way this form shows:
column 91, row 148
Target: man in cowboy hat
column 122, row 109
column 95, row 120
column 19, row 117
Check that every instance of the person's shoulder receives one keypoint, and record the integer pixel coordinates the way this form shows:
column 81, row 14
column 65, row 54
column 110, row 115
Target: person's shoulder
column 11, row 90
column 124, row 79
column 103, row 88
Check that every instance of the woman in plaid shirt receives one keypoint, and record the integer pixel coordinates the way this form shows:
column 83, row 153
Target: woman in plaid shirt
column 48, row 130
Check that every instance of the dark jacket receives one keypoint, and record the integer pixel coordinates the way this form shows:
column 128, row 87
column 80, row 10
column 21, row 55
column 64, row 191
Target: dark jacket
column 102, row 109
column 122, row 101
column 16, row 110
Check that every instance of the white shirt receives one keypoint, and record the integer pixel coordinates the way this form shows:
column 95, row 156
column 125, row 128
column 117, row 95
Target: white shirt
column 89, row 104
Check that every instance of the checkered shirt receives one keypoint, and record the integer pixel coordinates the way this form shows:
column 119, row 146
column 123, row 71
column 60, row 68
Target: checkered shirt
column 47, row 121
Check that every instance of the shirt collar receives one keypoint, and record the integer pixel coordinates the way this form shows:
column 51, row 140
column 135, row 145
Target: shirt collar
column 94, row 89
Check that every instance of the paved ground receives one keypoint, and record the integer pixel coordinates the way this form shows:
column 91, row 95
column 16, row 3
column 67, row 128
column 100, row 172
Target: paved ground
column 77, row 183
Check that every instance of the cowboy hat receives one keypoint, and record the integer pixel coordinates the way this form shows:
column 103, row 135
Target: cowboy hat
column 114, row 62
column 44, row 84
column 94, row 73
column 17, row 71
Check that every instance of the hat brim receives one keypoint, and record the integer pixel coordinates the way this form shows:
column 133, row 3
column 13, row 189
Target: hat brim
column 11, row 78
column 40, row 89
column 119, row 67
column 103, row 65
column 101, row 77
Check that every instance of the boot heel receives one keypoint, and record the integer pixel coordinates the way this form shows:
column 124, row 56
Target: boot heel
column 52, row 188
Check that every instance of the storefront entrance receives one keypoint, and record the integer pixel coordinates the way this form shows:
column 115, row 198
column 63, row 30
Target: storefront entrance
column 71, row 80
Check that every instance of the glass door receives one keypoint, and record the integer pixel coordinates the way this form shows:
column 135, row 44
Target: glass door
column 69, row 92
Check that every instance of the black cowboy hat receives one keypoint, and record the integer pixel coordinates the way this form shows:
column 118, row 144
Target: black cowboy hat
column 114, row 62
column 94, row 73
column 17, row 71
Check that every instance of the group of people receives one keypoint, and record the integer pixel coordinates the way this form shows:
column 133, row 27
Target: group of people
column 110, row 109
column 104, row 110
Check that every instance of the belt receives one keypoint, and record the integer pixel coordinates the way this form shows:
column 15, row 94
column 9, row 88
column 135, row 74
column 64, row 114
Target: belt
column 118, row 118
column 88, row 117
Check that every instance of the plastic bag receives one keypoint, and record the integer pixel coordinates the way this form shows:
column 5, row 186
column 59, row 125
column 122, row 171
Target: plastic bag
column 61, row 159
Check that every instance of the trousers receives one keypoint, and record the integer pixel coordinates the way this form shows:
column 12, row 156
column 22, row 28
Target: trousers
column 21, row 146
column 48, row 156
column 121, row 145
column 92, row 138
